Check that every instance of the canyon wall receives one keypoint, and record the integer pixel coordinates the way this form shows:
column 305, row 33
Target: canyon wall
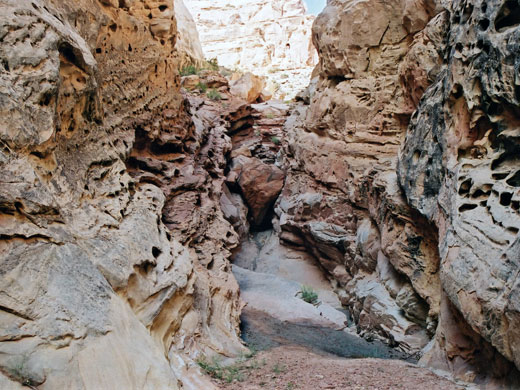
column 269, row 38
column 114, row 251
column 459, row 166
column 414, row 215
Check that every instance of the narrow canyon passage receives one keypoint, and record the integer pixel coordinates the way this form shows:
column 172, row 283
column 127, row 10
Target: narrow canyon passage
column 295, row 344
column 225, row 195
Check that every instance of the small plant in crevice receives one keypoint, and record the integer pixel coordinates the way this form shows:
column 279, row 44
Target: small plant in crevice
column 269, row 115
column 189, row 70
column 201, row 87
column 232, row 373
column 275, row 140
column 213, row 94
column 308, row 294
column 213, row 64
column 279, row 368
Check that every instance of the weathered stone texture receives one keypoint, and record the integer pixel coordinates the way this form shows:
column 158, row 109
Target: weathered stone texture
column 459, row 166
column 342, row 193
column 99, row 288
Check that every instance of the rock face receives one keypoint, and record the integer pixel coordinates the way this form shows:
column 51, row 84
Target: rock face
column 260, row 184
column 431, row 250
column 459, row 166
column 188, row 43
column 113, row 258
column 341, row 196
column 268, row 38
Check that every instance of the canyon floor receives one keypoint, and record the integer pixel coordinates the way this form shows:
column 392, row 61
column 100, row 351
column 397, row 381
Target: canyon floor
column 291, row 367
column 299, row 346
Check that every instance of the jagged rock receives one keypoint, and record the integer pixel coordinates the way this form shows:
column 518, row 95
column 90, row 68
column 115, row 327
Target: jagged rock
column 248, row 87
column 342, row 194
column 97, row 292
column 190, row 82
column 459, row 167
column 235, row 211
column 268, row 38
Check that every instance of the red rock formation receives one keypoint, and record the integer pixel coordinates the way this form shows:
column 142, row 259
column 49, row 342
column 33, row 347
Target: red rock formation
column 108, row 280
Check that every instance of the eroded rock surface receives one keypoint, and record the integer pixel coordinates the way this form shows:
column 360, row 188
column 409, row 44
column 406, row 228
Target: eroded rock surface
column 341, row 197
column 268, row 38
column 459, row 167
column 432, row 250
column 102, row 284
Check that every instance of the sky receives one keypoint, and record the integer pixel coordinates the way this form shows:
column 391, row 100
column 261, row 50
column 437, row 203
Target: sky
column 315, row 6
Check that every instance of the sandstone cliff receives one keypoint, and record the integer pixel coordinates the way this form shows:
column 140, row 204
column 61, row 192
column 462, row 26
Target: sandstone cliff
column 113, row 258
column 459, row 166
column 268, row 38
column 342, row 197
column 431, row 251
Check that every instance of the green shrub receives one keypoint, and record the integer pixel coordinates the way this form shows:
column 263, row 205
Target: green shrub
column 269, row 115
column 228, row 374
column 213, row 64
column 213, row 94
column 201, row 87
column 278, row 369
column 308, row 294
column 275, row 140
column 189, row 70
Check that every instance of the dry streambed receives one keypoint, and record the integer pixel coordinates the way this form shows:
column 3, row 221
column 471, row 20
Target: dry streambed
column 299, row 346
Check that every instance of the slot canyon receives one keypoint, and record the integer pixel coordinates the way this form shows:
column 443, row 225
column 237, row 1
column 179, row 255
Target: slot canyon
column 225, row 195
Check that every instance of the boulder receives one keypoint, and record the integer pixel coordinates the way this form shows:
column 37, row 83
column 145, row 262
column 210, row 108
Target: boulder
column 259, row 183
column 248, row 87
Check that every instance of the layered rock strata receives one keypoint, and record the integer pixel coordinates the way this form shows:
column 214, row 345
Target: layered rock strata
column 459, row 166
column 432, row 250
column 268, row 38
column 113, row 258
column 342, row 198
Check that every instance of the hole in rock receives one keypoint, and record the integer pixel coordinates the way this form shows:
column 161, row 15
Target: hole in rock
column 457, row 90
column 163, row 8
column 113, row 27
column 479, row 194
column 146, row 267
column 468, row 11
column 156, row 252
column 505, row 198
column 514, row 181
column 499, row 176
column 68, row 53
column 467, row 207
column 484, row 24
column 508, row 16
column 512, row 229
column 495, row 109
column 335, row 80
column 465, row 187
column 515, row 205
